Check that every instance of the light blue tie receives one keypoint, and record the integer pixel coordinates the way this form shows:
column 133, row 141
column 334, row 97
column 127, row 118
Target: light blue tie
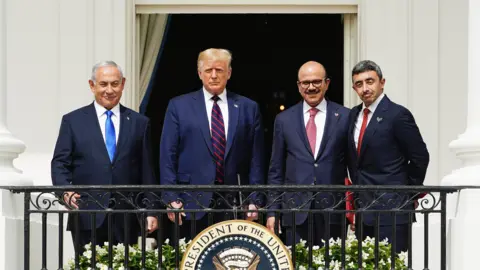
column 110, row 135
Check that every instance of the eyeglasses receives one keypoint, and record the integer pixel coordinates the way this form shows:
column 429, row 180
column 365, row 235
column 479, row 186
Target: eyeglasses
column 315, row 83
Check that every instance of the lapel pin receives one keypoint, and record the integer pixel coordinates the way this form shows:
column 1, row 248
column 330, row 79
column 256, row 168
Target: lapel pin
column 128, row 118
column 379, row 119
column 336, row 114
column 236, row 106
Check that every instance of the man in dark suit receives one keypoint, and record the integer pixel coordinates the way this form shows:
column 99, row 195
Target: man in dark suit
column 309, row 146
column 385, row 148
column 103, row 143
column 211, row 137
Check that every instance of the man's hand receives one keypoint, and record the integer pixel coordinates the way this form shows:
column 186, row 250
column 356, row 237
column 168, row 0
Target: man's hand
column 271, row 224
column 70, row 198
column 252, row 215
column 152, row 224
column 171, row 216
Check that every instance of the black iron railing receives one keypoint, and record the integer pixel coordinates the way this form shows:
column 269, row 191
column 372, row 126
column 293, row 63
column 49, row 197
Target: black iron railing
column 383, row 204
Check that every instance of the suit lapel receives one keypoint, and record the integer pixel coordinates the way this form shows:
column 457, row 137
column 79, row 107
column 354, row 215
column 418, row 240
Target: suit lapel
column 375, row 122
column 202, row 118
column 97, row 136
column 302, row 132
column 125, row 124
column 233, row 112
column 331, row 121
column 351, row 130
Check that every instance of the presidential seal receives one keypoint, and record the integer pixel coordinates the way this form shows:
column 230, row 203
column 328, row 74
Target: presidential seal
column 236, row 245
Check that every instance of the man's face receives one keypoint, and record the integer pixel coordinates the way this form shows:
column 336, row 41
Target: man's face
column 312, row 84
column 214, row 75
column 108, row 87
column 368, row 86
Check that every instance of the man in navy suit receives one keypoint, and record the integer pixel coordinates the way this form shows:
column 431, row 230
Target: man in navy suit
column 385, row 148
column 309, row 146
column 103, row 143
column 211, row 137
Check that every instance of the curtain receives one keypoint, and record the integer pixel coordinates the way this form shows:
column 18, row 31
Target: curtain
column 151, row 37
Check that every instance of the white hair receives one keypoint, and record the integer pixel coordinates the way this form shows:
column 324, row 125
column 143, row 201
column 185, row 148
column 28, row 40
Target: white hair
column 104, row 64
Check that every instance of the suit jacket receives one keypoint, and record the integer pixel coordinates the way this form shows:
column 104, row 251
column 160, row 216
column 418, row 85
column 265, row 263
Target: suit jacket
column 186, row 154
column 81, row 158
column 293, row 163
column 392, row 153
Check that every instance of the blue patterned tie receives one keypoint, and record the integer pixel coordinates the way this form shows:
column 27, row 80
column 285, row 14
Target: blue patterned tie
column 218, row 140
column 110, row 135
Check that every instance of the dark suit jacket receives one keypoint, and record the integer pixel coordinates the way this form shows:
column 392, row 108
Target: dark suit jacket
column 293, row 162
column 392, row 153
column 186, row 156
column 81, row 157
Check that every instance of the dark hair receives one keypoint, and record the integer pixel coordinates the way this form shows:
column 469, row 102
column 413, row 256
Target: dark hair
column 367, row 65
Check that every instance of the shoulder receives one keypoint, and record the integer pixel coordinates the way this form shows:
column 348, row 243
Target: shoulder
column 135, row 115
column 287, row 114
column 79, row 112
column 339, row 108
column 398, row 110
column 242, row 100
column 185, row 97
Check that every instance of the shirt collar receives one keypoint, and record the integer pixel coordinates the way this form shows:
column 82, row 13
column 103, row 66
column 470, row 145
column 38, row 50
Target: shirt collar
column 208, row 95
column 322, row 106
column 374, row 105
column 101, row 110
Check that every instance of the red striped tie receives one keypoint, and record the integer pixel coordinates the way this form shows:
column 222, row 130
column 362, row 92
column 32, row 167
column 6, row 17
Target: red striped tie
column 366, row 111
column 218, row 140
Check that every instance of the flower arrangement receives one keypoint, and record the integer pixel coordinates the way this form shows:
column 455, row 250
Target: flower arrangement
column 134, row 255
column 351, row 255
column 301, row 252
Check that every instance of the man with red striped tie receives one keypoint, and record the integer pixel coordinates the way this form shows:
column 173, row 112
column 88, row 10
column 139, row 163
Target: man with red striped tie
column 385, row 147
column 211, row 137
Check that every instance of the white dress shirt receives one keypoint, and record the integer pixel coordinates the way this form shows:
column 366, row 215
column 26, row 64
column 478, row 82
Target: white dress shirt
column 102, row 118
column 320, row 119
column 358, row 123
column 222, row 103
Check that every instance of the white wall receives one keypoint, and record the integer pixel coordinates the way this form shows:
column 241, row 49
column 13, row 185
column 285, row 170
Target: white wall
column 51, row 46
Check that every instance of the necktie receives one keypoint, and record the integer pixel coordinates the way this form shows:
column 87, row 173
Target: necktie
column 110, row 140
column 312, row 129
column 366, row 111
column 218, row 140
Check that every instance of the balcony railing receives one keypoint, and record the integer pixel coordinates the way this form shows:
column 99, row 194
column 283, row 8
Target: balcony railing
column 385, row 204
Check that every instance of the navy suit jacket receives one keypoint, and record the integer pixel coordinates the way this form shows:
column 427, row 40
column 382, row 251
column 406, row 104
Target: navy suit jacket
column 392, row 153
column 186, row 155
column 81, row 157
column 293, row 163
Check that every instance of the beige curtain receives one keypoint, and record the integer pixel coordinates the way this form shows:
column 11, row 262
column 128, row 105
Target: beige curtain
column 152, row 28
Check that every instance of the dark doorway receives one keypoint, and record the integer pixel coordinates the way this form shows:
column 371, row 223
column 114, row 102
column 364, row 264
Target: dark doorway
column 267, row 51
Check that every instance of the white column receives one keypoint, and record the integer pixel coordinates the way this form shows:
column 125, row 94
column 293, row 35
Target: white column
column 467, row 145
column 10, row 147
column 462, row 210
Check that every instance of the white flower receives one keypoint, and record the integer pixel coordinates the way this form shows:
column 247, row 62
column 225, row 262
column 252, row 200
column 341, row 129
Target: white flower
column 403, row 256
column 87, row 254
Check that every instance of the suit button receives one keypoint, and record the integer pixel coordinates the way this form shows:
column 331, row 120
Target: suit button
column 316, row 165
